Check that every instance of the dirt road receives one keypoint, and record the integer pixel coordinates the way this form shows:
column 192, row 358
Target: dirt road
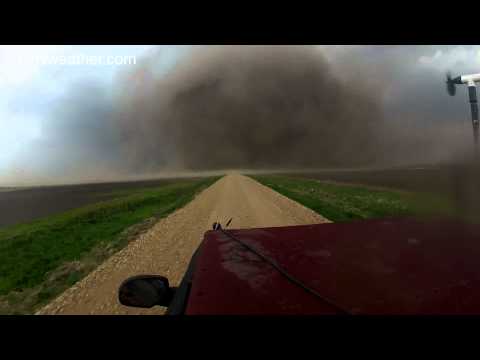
column 167, row 248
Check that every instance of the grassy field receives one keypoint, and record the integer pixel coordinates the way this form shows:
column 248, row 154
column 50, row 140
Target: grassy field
column 342, row 202
column 41, row 259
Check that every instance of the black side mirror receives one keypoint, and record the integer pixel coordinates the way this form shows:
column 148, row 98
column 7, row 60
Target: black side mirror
column 145, row 291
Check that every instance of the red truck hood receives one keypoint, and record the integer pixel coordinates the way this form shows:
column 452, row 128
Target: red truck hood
column 367, row 267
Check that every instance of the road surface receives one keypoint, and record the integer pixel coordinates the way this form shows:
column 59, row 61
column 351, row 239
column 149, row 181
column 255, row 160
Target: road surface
column 167, row 247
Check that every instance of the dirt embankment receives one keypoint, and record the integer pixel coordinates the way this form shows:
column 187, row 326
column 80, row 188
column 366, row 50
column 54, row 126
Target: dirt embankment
column 166, row 249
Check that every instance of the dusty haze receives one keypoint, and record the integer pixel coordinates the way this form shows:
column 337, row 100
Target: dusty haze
column 249, row 107
column 252, row 107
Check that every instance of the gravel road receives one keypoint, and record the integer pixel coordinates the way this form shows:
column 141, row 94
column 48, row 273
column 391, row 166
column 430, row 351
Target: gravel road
column 168, row 246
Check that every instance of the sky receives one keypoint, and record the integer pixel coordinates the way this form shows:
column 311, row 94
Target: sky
column 38, row 100
column 29, row 89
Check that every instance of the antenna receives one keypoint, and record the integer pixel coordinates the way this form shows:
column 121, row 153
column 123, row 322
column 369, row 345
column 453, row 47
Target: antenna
column 471, row 81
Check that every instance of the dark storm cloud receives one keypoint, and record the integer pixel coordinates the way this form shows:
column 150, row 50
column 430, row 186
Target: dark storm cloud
column 285, row 106
column 251, row 107
column 423, row 123
column 260, row 107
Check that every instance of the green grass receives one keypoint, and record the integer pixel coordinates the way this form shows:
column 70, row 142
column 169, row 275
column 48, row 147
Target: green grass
column 342, row 202
column 39, row 260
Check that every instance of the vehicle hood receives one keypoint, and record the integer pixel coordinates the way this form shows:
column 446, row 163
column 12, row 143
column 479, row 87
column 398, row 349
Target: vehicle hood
column 390, row 266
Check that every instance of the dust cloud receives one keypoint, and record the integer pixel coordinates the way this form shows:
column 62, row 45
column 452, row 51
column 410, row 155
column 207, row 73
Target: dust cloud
column 248, row 107
column 253, row 107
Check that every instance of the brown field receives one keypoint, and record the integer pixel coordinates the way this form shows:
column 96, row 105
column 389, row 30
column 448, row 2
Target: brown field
column 421, row 179
column 24, row 205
